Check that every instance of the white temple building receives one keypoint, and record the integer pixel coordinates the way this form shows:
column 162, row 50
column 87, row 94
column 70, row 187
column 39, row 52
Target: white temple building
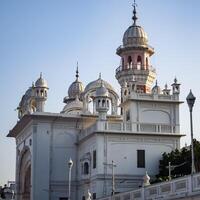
column 97, row 128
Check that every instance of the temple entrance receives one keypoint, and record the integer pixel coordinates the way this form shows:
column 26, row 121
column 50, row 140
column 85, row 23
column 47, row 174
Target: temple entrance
column 25, row 176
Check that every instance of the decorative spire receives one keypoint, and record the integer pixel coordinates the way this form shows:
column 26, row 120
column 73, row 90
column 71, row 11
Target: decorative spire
column 100, row 75
column 175, row 80
column 40, row 74
column 134, row 13
column 77, row 72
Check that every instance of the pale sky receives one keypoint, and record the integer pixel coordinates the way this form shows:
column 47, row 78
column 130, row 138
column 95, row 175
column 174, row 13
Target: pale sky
column 50, row 36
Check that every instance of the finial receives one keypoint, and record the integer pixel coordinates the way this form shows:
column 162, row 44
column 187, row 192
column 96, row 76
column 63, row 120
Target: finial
column 134, row 13
column 175, row 80
column 77, row 72
column 40, row 74
column 100, row 75
column 166, row 86
column 33, row 84
column 156, row 82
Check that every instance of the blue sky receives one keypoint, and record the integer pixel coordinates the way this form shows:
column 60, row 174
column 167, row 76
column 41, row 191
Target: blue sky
column 50, row 36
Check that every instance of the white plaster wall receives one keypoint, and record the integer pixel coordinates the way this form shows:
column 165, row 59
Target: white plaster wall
column 40, row 161
column 154, row 112
column 123, row 151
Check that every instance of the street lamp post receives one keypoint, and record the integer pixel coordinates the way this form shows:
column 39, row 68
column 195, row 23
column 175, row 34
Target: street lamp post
column 112, row 165
column 190, row 100
column 70, row 164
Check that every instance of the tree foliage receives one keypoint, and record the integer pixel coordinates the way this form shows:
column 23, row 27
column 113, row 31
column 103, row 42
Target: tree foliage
column 182, row 158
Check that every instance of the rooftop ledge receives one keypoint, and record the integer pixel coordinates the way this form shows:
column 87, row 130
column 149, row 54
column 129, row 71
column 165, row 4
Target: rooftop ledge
column 132, row 128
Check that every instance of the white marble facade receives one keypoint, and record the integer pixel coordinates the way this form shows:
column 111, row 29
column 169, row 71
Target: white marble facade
column 95, row 128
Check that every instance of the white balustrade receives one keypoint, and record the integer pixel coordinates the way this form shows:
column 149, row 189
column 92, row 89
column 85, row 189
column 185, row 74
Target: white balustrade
column 183, row 187
column 127, row 127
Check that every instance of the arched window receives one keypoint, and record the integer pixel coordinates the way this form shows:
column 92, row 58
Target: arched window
column 99, row 101
column 129, row 62
column 107, row 103
column 86, row 168
column 147, row 63
column 45, row 93
column 122, row 63
column 128, row 115
column 125, row 92
column 139, row 62
column 103, row 103
column 42, row 93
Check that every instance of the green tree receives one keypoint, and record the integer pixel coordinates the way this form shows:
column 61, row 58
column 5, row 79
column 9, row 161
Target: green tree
column 181, row 159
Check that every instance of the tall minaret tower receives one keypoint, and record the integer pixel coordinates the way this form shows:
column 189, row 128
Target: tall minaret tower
column 135, row 56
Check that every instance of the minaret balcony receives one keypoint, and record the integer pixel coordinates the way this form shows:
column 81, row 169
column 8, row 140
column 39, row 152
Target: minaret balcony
column 131, row 47
column 134, row 70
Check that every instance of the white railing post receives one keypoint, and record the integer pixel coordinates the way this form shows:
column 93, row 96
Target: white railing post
column 189, row 180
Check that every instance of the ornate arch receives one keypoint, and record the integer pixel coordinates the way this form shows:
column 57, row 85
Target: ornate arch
column 24, row 174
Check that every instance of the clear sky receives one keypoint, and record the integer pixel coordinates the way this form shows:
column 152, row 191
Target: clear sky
column 50, row 36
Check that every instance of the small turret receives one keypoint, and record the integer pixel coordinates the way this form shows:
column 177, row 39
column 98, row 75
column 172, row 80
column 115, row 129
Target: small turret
column 102, row 101
column 166, row 91
column 176, row 89
column 40, row 93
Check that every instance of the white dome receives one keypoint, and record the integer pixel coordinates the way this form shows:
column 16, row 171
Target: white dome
column 92, row 86
column 101, row 91
column 74, row 106
column 41, row 82
column 76, row 88
column 135, row 36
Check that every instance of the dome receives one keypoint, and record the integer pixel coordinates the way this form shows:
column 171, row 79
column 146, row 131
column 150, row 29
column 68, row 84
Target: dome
column 101, row 91
column 135, row 36
column 76, row 88
column 97, row 84
column 41, row 82
column 73, row 106
column 156, row 89
column 26, row 96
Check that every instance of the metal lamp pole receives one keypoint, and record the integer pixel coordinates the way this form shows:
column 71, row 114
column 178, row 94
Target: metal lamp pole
column 112, row 165
column 70, row 164
column 190, row 100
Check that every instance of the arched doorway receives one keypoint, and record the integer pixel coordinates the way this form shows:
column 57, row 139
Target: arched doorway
column 24, row 188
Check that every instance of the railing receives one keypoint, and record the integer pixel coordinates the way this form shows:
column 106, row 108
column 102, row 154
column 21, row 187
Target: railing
column 128, row 127
column 143, row 96
column 129, row 46
column 184, row 187
column 138, row 67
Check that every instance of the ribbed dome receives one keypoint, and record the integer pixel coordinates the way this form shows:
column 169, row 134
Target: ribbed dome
column 135, row 36
column 97, row 84
column 75, row 89
column 41, row 82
